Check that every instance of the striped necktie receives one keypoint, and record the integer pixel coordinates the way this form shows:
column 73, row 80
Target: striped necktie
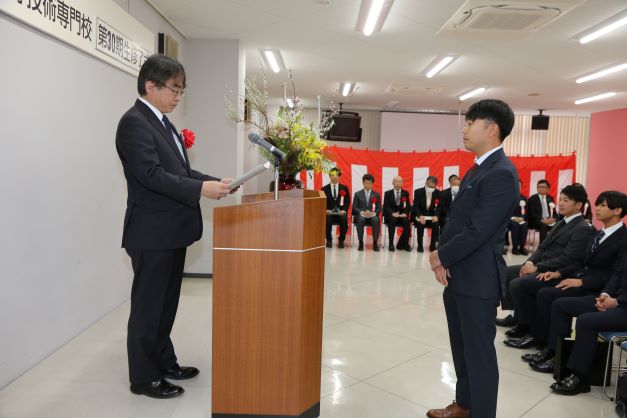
column 597, row 241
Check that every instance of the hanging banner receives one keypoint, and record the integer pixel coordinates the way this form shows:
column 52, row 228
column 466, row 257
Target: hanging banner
column 98, row 27
column 415, row 167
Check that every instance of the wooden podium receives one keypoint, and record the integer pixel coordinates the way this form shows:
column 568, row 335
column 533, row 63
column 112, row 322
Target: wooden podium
column 268, row 279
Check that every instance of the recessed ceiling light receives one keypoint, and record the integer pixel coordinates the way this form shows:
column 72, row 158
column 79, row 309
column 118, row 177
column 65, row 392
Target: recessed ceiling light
column 346, row 87
column 603, row 28
column 471, row 93
column 595, row 98
column 602, row 73
column 438, row 65
column 372, row 14
column 273, row 59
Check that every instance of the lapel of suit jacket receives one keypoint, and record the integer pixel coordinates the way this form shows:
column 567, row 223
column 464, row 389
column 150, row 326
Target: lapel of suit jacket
column 570, row 225
column 608, row 241
column 479, row 172
column 157, row 124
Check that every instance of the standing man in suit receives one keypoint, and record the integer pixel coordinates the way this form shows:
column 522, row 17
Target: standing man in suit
column 426, row 203
column 366, row 210
column 162, row 219
column 542, row 216
column 338, row 202
column 574, row 236
column 396, row 208
column 446, row 200
column 469, row 262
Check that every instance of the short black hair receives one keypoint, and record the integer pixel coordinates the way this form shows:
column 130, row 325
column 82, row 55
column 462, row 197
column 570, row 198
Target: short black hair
column 337, row 170
column 543, row 181
column 576, row 193
column 452, row 176
column 613, row 200
column 367, row 176
column 496, row 111
column 433, row 179
column 159, row 68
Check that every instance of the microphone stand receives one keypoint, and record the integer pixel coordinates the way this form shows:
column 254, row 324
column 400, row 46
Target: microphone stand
column 277, row 163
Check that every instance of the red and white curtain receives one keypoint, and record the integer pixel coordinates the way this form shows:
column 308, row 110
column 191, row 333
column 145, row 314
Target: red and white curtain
column 415, row 167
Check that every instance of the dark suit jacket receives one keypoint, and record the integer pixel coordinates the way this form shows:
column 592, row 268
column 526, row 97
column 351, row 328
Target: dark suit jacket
column 419, row 207
column 617, row 285
column 599, row 266
column 564, row 247
column 390, row 206
column 446, row 199
column 360, row 204
column 163, row 210
column 336, row 203
column 471, row 243
column 534, row 210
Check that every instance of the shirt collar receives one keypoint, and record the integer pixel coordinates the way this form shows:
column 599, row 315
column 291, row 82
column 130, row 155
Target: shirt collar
column 156, row 111
column 571, row 217
column 609, row 231
column 485, row 156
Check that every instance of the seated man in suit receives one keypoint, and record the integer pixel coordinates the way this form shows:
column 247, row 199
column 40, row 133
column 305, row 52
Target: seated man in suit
column 518, row 227
column 426, row 203
column 338, row 202
column 446, row 200
column 565, row 247
column 541, row 215
column 607, row 312
column 603, row 261
column 396, row 208
column 366, row 210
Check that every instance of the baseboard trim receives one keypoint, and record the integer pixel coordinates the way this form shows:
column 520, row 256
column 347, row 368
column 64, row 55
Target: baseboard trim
column 198, row 275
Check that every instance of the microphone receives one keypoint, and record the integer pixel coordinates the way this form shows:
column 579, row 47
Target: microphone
column 258, row 140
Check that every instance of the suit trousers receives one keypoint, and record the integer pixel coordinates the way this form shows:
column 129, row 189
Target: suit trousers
column 340, row 220
column 435, row 232
column 512, row 273
column 392, row 223
column 524, row 291
column 589, row 323
column 154, row 301
column 472, row 329
column 374, row 222
column 519, row 234
column 544, row 300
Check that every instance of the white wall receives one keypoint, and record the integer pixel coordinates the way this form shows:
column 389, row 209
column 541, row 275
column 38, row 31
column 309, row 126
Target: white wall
column 213, row 68
column 420, row 131
column 63, row 191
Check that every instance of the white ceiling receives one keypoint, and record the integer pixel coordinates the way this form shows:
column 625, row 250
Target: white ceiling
column 321, row 46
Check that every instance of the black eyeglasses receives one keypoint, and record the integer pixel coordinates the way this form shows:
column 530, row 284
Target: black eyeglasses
column 177, row 92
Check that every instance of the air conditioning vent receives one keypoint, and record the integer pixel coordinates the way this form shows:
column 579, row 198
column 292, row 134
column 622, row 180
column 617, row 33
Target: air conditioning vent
column 411, row 90
column 506, row 17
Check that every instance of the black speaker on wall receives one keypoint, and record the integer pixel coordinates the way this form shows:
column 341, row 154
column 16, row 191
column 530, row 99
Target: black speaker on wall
column 540, row 122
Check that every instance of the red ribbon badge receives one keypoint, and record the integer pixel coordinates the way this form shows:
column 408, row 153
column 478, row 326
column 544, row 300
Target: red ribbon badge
column 188, row 138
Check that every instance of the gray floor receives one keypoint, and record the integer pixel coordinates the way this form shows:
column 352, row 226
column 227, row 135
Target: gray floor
column 385, row 354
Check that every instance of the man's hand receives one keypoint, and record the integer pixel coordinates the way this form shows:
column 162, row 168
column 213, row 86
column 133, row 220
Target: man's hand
column 215, row 189
column 434, row 219
column 342, row 212
column 329, row 212
column 395, row 214
column 422, row 220
column 229, row 180
column 527, row 269
column 569, row 283
column 605, row 302
column 549, row 275
column 402, row 215
column 440, row 275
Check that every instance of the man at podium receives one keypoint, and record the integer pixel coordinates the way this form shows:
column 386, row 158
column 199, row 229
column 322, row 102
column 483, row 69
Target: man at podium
column 162, row 219
column 338, row 202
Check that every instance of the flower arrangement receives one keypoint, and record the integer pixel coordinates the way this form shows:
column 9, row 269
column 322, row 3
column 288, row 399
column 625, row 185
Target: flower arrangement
column 301, row 142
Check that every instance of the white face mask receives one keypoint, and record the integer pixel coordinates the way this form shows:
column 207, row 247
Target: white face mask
column 429, row 189
column 454, row 189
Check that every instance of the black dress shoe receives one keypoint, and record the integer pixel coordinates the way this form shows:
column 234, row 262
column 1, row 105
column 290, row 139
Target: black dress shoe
column 329, row 244
column 180, row 373
column 525, row 342
column 522, row 251
column 160, row 389
column 432, row 248
column 361, row 246
column 420, row 249
column 518, row 331
column 515, row 252
column 546, row 366
column 508, row 321
column 571, row 385
column 375, row 246
column 391, row 248
column 538, row 357
column 340, row 244
column 504, row 251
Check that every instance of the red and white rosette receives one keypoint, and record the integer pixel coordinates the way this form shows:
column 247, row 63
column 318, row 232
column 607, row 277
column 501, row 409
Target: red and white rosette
column 342, row 194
